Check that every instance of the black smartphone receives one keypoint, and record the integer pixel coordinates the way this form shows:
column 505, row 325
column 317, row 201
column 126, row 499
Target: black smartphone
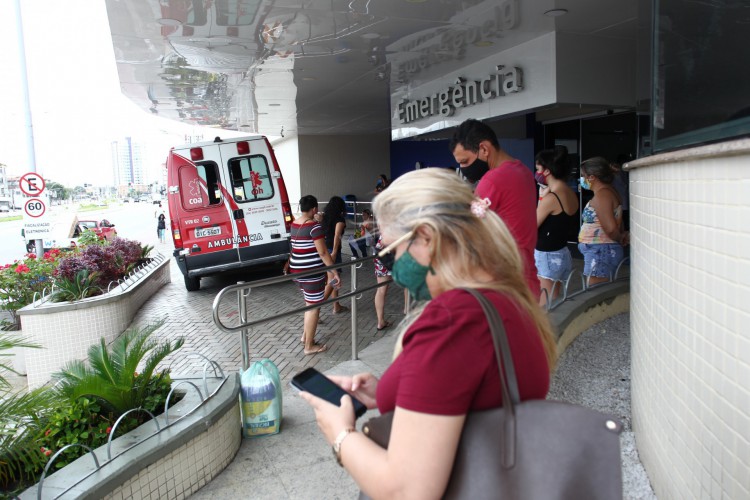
column 317, row 384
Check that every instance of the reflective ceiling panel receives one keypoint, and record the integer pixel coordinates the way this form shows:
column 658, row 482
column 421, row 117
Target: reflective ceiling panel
column 319, row 66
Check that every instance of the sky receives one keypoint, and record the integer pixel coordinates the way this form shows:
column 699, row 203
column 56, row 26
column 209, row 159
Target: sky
column 76, row 106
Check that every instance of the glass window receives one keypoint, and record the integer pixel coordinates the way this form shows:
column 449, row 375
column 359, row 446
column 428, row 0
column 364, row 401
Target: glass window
column 200, row 186
column 701, row 75
column 251, row 179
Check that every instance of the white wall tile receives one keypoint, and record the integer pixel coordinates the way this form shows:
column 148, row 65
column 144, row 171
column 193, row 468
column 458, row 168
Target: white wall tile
column 690, row 281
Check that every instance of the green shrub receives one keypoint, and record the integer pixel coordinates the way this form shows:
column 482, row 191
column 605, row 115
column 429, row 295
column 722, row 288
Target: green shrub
column 84, row 406
column 82, row 422
column 22, row 418
column 20, row 281
column 83, row 285
column 112, row 375
column 89, row 237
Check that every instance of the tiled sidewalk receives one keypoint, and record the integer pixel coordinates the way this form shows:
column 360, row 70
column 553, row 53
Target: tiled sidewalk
column 190, row 315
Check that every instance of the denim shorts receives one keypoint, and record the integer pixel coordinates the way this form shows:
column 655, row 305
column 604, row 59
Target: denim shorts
column 555, row 265
column 600, row 260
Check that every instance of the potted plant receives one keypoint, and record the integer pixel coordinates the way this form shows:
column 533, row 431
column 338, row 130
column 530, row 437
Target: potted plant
column 83, row 407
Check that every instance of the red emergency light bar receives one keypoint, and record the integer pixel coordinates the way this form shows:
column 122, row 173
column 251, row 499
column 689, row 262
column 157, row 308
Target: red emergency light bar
column 243, row 148
column 196, row 154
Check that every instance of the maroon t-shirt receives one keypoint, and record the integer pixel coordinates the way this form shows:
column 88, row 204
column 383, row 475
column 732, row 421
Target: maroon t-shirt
column 512, row 192
column 448, row 364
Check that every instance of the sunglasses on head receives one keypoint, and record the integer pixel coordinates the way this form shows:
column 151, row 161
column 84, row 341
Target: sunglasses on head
column 387, row 256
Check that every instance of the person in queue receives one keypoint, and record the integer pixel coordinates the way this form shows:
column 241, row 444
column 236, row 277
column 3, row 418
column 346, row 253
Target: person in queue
column 381, row 183
column 382, row 275
column 505, row 181
column 309, row 252
column 334, row 224
column 557, row 209
column 362, row 238
column 439, row 237
column 601, row 238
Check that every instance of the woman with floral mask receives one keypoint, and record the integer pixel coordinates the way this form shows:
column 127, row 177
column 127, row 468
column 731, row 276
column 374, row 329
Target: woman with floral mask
column 601, row 237
column 441, row 239
column 556, row 211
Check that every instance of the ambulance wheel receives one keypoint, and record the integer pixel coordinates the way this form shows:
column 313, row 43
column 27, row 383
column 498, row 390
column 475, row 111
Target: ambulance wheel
column 192, row 284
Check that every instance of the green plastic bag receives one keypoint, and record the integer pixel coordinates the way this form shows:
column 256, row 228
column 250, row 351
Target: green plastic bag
column 260, row 392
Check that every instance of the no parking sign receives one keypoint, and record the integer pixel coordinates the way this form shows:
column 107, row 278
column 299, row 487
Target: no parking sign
column 31, row 184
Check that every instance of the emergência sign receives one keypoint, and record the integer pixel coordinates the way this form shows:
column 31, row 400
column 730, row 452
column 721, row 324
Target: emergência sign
column 462, row 94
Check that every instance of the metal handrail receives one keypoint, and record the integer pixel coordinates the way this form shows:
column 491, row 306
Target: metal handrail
column 585, row 286
column 242, row 289
column 281, row 279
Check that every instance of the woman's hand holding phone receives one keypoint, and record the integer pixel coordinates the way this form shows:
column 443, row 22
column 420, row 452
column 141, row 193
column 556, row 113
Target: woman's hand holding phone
column 362, row 386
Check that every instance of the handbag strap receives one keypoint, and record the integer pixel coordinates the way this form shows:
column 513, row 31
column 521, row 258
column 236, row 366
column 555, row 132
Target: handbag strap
column 508, row 381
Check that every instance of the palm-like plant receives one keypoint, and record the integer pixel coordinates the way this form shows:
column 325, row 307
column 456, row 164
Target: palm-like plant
column 21, row 419
column 112, row 375
column 80, row 287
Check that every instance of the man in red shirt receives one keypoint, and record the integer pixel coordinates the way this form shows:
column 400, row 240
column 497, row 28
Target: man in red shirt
column 506, row 182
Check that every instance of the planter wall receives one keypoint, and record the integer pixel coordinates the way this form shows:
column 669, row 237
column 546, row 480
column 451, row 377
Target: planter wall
column 174, row 463
column 67, row 330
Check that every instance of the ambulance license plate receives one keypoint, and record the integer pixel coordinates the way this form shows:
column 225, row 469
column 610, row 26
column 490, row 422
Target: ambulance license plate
column 208, row 231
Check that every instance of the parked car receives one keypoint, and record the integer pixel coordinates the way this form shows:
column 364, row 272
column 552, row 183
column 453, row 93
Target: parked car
column 66, row 230
column 103, row 228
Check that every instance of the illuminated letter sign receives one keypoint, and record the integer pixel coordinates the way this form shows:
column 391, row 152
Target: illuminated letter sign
column 462, row 94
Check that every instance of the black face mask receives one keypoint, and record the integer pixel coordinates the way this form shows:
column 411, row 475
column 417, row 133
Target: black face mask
column 476, row 170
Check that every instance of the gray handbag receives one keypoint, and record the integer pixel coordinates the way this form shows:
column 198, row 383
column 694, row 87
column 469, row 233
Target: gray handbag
column 535, row 449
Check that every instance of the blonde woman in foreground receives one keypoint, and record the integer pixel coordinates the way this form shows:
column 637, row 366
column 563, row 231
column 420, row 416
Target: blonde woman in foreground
column 441, row 238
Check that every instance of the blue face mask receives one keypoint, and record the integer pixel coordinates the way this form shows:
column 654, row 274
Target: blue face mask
column 585, row 184
column 410, row 274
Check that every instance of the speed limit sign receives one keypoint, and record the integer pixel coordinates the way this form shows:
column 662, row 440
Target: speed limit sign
column 35, row 207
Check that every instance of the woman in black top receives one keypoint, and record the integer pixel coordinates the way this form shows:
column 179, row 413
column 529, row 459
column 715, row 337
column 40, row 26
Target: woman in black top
column 557, row 208
column 161, row 225
column 333, row 225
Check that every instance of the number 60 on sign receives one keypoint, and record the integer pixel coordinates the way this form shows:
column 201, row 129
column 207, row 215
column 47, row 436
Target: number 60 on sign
column 34, row 207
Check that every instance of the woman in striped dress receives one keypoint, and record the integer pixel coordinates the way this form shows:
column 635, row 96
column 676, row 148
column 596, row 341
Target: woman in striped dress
column 309, row 252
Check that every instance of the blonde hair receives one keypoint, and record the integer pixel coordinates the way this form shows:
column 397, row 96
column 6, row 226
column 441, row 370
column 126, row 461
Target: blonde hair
column 461, row 242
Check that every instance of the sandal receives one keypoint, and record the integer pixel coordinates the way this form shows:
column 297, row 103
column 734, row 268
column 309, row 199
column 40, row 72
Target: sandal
column 387, row 324
column 317, row 348
column 341, row 309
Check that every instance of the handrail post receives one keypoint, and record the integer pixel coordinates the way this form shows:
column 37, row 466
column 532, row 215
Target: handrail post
column 354, row 311
column 242, row 294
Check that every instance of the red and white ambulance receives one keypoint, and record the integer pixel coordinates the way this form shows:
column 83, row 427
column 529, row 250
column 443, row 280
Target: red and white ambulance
column 228, row 206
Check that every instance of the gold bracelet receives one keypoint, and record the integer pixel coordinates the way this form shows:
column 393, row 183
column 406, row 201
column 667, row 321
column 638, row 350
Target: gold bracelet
column 337, row 443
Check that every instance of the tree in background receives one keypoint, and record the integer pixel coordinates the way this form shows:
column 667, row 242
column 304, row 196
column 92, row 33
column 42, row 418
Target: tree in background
column 61, row 192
